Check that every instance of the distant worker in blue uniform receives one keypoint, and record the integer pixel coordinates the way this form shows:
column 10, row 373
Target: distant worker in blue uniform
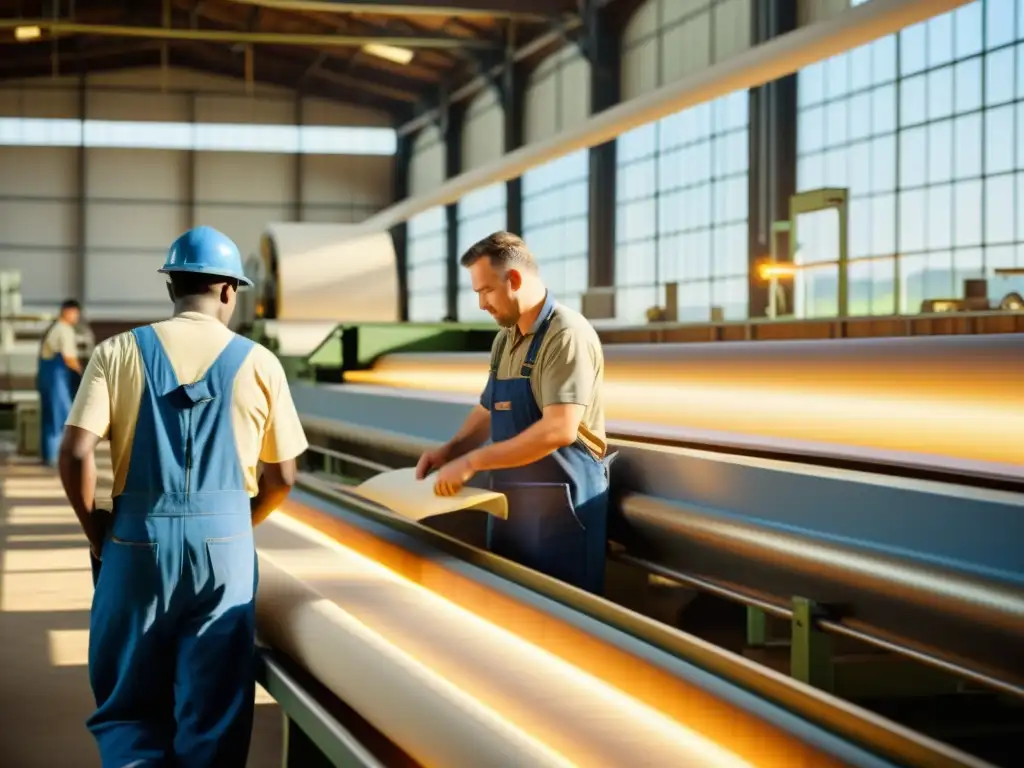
column 192, row 411
column 542, row 410
column 57, row 378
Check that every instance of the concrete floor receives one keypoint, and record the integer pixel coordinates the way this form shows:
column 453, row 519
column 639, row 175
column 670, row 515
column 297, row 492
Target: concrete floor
column 45, row 593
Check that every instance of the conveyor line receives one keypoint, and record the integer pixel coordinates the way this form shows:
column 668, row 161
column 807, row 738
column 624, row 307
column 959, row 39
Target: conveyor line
column 951, row 404
column 597, row 643
column 403, row 655
column 697, row 514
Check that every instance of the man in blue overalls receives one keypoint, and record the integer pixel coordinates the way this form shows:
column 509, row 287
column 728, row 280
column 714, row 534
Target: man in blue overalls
column 542, row 410
column 57, row 378
column 192, row 411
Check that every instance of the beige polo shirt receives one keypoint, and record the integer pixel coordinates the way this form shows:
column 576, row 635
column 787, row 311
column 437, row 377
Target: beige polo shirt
column 60, row 340
column 266, row 425
column 569, row 368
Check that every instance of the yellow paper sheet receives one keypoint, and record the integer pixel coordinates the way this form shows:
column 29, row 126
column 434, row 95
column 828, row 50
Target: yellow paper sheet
column 402, row 493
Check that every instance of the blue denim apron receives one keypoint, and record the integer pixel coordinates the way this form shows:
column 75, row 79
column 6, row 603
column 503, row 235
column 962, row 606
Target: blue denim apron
column 171, row 645
column 558, row 507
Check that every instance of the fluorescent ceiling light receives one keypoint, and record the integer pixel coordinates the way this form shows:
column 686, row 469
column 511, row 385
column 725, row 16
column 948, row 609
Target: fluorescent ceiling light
column 27, row 33
column 398, row 55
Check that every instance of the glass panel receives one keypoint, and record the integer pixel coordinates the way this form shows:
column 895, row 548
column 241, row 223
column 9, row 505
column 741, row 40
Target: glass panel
column 682, row 193
column 931, row 163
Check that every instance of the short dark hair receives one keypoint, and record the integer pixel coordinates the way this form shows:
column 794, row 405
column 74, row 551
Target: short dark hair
column 70, row 304
column 196, row 283
column 504, row 249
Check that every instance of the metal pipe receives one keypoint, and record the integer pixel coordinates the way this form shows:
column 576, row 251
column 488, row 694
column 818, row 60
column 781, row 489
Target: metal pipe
column 303, row 708
column 57, row 28
column 498, row 11
column 867, row 400
column 767, row 62
column 969, row 598
column 485, row 79
column 358, row 460
column 898, row 646
column 840, row 717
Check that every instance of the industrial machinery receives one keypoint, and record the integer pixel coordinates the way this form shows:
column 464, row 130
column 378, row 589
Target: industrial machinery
column 20, row 336
column 301, row 267
column 865, row 490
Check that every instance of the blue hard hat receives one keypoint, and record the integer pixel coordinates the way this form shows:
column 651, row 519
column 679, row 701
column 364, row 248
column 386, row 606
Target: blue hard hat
column 206, row 251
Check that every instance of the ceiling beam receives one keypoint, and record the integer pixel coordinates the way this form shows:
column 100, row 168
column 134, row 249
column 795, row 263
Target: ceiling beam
column 430, row 112
column 271, row 71
column 200, row 57
column 525, row 10
column 58, row 28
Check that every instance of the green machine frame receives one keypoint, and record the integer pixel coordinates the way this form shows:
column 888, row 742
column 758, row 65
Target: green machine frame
column 785, row 240
column 349, row 347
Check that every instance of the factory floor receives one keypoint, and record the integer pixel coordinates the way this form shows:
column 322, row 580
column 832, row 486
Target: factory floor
column 45, row 593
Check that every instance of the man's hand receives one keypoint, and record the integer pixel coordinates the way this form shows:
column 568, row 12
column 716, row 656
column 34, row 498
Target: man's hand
column 433, row 459
column 96, row 530
column 453, row 476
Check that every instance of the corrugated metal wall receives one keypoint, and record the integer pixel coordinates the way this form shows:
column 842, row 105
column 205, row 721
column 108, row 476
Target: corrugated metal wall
column 556, row 194
column 136, row 201
column 427, row 250
column 483, row 211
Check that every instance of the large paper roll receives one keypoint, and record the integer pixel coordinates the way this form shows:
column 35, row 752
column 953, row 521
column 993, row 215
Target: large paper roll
column 420, row 711
column 331, row 272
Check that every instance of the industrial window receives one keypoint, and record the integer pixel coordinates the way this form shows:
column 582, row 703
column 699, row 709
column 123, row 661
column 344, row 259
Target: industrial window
column 682, row 212
column 427, row 272
column 481, row 213
column 926, row 129
column 555, row 198
column 219, row 137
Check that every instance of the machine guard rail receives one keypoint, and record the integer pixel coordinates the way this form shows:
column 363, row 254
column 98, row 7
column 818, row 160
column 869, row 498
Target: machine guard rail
column 313, row 736
column 729, row 676
column 931, row 588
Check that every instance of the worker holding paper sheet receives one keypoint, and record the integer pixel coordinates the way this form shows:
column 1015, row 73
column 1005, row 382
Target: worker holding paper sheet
column 542, row 410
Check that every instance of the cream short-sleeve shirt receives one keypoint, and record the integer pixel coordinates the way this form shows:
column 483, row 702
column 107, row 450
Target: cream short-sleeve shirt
column 266, row 424
column 60, row 340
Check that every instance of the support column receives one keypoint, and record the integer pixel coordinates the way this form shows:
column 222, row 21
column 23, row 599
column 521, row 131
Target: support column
column 513, row 98
column 773, row 147
column 78, row 274
column 400, row 232
column 451, row 130
column 190, row 171
column 297, row 196
column 601, row 46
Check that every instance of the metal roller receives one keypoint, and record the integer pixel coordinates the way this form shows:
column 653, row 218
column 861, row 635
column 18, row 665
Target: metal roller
column 952, row 402
column 324, row 272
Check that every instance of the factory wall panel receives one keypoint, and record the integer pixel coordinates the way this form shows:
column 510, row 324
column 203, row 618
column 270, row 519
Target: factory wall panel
column 149, row 175
column 556, row 194
column 344, row 189
column 426, row 167
column 483, row 211
column 241, row 198
column 682, row 181
column 926, row 131
column 811, row 11
column 427, row 232
column 38, row 191
column 39, row 220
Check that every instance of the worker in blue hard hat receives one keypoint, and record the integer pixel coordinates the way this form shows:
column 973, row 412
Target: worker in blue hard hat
column 57, row 376
column 193, row 411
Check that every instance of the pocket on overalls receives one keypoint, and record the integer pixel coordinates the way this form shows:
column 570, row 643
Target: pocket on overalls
column 232, row 561
column 132, row 564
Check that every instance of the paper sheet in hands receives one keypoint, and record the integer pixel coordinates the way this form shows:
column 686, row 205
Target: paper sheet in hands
column 402, row 493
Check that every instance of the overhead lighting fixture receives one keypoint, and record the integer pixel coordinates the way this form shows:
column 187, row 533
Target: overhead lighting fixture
column 27, row 33
column 389, row 52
